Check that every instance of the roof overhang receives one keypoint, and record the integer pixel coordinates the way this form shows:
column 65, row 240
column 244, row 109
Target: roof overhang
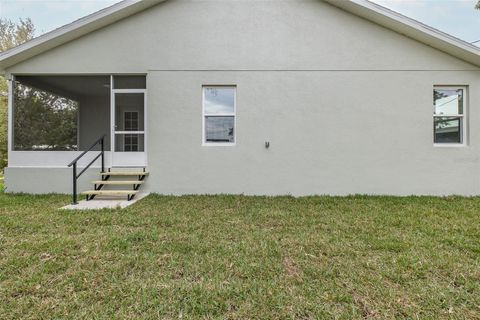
column 73, row 30
column 411, row 28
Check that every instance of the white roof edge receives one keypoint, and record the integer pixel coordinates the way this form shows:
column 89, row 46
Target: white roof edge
column 73, row 30
column 411, row 28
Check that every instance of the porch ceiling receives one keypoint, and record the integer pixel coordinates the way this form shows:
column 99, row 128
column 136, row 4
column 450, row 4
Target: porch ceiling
column 70, row 86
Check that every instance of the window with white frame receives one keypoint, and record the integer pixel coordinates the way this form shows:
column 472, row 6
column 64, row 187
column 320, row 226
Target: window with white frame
column 219, row 115
column 449, row 107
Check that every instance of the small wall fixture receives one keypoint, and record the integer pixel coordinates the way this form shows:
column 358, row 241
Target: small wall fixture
column 267, row 144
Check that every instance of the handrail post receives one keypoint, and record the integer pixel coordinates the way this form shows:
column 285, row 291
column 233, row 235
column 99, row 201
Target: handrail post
column 74, row 164
column 103, row 154
column 75, row 183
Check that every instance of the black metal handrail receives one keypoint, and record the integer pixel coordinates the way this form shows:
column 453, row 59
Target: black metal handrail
column 74, row 164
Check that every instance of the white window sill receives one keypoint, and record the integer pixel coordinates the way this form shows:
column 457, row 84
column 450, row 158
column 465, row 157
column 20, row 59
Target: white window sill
column 449, row 145
column 220, row 144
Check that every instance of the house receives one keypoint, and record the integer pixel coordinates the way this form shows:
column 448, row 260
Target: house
column 246, row 97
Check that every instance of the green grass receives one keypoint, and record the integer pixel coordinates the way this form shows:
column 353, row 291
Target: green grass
column 236, row 257
column 1, row 183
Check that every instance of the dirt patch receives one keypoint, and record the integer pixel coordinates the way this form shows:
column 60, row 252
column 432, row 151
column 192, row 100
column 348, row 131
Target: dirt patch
column 291, row 268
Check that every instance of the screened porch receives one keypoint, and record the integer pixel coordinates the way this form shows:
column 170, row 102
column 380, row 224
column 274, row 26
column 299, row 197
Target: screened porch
column 56, row 117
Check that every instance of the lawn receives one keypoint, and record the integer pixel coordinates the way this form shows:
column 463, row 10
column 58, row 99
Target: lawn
column 239, row 257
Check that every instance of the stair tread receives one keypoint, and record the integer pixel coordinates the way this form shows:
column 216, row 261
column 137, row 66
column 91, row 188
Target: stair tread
column 110, row 192
column 126, row 173
column 113, row 182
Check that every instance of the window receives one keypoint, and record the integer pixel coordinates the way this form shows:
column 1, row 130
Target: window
column 219, row 115
column 449, row 109
column 131, row 124
column 131, row 142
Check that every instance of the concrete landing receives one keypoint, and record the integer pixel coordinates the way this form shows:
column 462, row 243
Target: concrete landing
column 104, row 202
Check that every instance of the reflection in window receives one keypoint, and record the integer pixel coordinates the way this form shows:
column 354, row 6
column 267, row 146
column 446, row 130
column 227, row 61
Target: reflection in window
column 219, row 100
column 448, row 115
column 448, row 130
column 219, row 129
column 448, row 101
column 219, row 114
column 43, row 120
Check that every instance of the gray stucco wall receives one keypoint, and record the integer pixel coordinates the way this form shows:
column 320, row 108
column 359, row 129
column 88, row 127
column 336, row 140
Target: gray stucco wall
column 46, row 180
column 345, row 104
column 240, row 35
column 329, row 133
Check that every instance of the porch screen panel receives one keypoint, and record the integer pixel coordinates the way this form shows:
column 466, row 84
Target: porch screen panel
column 129, row 122
column 129, row 82
column 129, row 142
column 43, row 120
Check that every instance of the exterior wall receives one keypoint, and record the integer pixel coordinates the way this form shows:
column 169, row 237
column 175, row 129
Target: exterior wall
column 240, row 35
column 330, row 133
column 345, row 104
column 52, row 159
column 46, row 180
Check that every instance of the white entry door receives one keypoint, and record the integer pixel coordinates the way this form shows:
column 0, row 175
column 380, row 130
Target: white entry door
column 128, row 128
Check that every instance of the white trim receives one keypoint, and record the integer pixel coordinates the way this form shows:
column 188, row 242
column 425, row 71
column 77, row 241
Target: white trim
column 448, row 115
column 78, row 123
column 145, row 149
column 219, row 144
column 449, row 145
column 129, row 132
column 112, row 120
column 142, row 155
column 464, row 121
column 10, row 85
column 129, row 90
column 234, row 115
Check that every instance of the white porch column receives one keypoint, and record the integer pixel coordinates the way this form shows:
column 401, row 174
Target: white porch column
column 10, row 84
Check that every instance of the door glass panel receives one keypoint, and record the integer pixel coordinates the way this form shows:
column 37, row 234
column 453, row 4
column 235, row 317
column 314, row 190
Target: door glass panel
column 127, row 142
column 129, row 112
